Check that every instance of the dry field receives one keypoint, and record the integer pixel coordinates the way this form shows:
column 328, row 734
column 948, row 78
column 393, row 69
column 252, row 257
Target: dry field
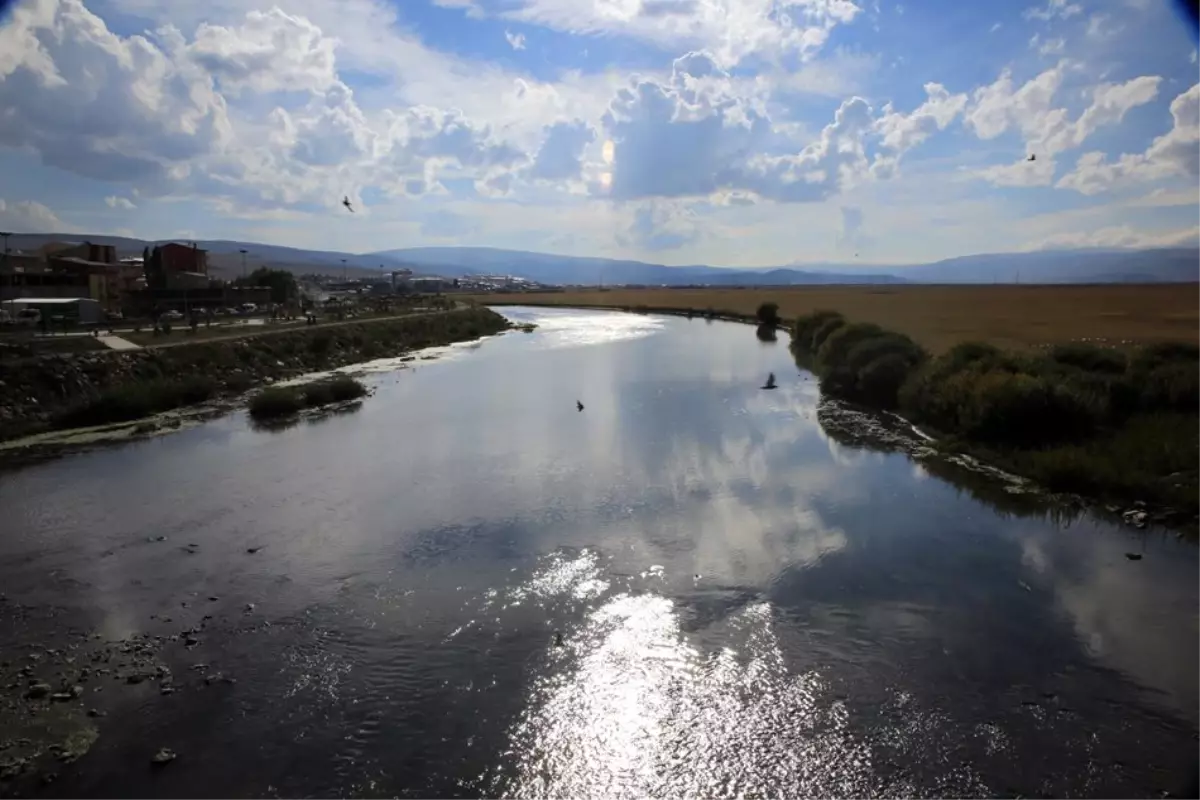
column 941, row 316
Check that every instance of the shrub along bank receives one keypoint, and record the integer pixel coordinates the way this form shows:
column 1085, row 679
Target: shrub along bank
column 46, row 393
column 276, row 402
column 1076, row 418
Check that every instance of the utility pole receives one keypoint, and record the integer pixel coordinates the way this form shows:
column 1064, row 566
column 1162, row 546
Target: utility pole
column 344, row 278
column 7, row 234
column 243, row 252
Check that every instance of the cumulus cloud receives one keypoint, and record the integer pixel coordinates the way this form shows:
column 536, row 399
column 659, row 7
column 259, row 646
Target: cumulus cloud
column 515, row 40
column 1174, row 154
column 270, row 51
column 1046, row 128
column 694, row 135
column 901, row 132
column 94, row 103
column 731, row 30
column 122, row 203
column 661, row 225
column 27, row 216
column 560, row 156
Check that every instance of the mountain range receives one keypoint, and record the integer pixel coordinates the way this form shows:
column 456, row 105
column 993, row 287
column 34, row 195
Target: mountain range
column 1159, row 265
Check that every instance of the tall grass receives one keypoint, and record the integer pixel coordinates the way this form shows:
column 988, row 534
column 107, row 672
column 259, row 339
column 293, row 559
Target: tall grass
column 137, row 400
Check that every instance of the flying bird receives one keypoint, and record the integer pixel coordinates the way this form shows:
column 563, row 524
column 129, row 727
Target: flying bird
column 579, row 405
column 346, row 203
column 1032, row 157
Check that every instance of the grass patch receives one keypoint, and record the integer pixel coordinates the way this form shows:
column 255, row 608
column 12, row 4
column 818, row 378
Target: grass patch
column 284, row 401
column 136, row 400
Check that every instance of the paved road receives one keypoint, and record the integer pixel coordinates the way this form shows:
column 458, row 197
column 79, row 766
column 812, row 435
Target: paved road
column 117, row 343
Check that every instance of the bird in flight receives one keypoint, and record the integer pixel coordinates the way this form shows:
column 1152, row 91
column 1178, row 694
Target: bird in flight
column 346, row 203
column 1032, row 157
column 579, row 405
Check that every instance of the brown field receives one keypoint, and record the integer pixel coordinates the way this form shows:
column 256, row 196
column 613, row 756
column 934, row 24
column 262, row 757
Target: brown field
column 941, row 316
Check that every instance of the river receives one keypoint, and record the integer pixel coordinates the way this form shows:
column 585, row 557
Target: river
column 468, row 587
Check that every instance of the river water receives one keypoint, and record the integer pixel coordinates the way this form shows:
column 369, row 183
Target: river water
column 470, row 587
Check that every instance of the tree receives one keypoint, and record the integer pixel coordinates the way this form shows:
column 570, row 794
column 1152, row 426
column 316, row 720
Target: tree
column 768, row 314
column 281, row 283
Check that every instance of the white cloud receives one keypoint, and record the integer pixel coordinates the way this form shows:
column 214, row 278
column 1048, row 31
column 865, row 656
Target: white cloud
column 1047, row 129
column 269, row 51
column 1101, row 26
column 1049, row 47
column 123, row 203
column 1174, row 154
column 515, row 40
column 694, row 135
column 28, row 216
column 103, row 106
column 1121, row 236
column 1054, row 9
column 1192, row 57
column 995, row 27
column 731, row 30
column 901, row 132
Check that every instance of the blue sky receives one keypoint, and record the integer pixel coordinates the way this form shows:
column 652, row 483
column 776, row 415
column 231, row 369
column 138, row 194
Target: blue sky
column 739, row 132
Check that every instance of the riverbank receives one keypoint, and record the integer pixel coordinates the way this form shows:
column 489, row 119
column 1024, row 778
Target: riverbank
column 60, row 392
column 1115, row 426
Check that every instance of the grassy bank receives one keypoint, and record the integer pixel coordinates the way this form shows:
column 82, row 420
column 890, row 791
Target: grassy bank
column 1105, row 422
column 937, row 317
column 41, row 394
column 284, row 401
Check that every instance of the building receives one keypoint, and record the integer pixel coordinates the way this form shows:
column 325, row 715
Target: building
column 20, row 282
column 58, row 310
column 86, row 251
column 181, row 258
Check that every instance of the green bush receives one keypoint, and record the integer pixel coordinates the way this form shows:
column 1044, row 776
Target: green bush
column 833, row 351
column 805, row 326
column 1023, row 410
column 276, row 401
column 343, row 388
column 1090, row 358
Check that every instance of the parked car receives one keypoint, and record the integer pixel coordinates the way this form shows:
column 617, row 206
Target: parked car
column 29, row 316
column 172, row 315
column 114, row 316
column 249, row 308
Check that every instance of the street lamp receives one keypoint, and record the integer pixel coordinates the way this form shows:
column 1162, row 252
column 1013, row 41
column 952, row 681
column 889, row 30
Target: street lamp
column 344, row 278
column 243, row 252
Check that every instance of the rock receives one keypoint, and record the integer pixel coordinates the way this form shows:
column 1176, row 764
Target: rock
column 136, row 677
column 91, row 712
column 76, row 691
column 249, row 607
column 1135, row 518
column 213, row 599
column 1134, row 556
column 253, row 550
column 37, row 691
column 62, row 697
column 191, row 641
column 165, row 755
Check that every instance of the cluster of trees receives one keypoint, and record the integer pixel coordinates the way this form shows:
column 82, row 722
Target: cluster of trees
column 282, row 283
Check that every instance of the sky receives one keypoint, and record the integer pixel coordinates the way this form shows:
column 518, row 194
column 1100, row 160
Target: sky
column 724, row 132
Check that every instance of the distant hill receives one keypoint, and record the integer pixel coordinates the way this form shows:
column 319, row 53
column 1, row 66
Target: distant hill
column 567, row 270
column 1049, row 266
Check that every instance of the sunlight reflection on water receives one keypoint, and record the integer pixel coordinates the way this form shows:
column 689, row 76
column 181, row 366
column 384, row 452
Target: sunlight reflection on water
column 637, row 710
